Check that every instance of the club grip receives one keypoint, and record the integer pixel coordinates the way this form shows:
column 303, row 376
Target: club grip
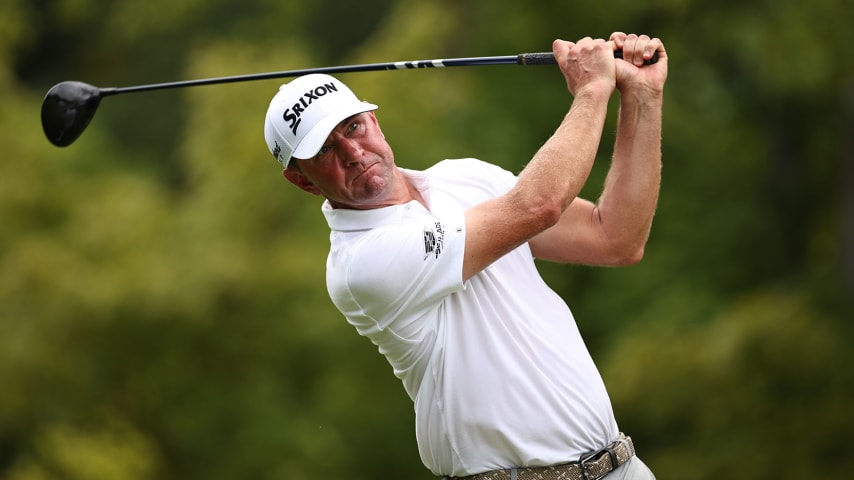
column 548, row 58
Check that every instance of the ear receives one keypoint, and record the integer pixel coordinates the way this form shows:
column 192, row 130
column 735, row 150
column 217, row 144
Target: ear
column 301, row 181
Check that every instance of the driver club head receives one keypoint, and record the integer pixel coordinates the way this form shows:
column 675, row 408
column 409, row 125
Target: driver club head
column 67, row 110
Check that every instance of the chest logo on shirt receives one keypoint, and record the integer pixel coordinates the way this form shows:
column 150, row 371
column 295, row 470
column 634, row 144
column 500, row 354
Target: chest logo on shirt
column 434, row 240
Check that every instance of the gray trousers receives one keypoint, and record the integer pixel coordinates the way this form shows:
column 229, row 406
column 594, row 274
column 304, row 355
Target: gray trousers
column 634, row 469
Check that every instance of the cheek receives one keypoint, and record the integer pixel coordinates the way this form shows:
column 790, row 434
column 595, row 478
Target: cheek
column 380, row 147
column 327, row 176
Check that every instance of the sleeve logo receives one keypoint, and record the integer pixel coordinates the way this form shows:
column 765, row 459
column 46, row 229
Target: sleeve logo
column 434, row 240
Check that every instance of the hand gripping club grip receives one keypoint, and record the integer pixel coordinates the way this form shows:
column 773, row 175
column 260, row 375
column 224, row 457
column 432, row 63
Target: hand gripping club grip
column 548, row 58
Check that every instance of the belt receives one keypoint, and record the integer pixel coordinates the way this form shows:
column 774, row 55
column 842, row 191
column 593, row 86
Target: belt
column 590, row 466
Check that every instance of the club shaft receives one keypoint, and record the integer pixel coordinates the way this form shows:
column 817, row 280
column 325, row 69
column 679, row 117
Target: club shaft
column 543, row 58
column 521, row 59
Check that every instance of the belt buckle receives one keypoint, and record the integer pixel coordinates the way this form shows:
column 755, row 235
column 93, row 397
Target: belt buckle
column 586, row 458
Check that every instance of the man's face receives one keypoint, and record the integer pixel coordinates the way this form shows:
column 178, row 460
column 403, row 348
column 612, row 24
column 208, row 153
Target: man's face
column 354, row 168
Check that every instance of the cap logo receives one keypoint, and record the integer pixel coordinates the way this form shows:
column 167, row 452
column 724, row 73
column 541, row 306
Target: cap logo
column 292, row 115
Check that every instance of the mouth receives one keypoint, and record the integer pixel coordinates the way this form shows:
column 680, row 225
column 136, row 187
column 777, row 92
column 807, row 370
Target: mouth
column 365, row 170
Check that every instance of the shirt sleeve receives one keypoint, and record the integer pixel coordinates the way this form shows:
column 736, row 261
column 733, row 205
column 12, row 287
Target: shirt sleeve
column 394, row 275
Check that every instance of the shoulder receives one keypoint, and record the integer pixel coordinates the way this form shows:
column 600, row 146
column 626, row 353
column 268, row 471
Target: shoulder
column 463, row 165
column 471, row 172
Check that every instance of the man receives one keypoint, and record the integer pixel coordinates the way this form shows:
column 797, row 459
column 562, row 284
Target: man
column 437, row 267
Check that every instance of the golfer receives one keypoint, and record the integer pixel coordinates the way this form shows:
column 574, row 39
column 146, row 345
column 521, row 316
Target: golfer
column 437, row 268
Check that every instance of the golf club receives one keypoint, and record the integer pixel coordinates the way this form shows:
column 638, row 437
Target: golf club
column 69, row 106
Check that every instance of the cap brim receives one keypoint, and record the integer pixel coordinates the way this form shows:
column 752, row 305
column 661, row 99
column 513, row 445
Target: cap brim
column 314, row 139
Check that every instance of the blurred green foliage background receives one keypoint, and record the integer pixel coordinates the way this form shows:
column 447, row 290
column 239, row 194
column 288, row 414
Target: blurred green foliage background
column 163, row 312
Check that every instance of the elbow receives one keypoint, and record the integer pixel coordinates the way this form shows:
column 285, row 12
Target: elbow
column 622, row 245
column 543, row 211
column 623, row 255
column 546, row 212
column 631, row 257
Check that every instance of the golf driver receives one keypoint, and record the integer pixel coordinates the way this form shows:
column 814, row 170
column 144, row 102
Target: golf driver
column 69, row 106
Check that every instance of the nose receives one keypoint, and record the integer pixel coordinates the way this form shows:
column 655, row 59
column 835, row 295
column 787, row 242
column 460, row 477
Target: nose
column 351, row 151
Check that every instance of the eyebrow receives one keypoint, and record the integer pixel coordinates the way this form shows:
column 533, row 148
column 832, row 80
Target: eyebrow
column 347, row 120
column 341, row 124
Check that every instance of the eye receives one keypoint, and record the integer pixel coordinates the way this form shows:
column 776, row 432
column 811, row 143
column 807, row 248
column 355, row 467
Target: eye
column 323, row 150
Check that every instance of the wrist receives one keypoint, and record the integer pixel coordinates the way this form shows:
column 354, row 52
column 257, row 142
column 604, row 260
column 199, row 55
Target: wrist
column 642, row 98
column 595, row 91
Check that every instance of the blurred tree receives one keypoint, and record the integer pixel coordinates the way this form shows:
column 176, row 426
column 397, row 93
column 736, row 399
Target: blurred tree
column 756, row 382
column 162, row 303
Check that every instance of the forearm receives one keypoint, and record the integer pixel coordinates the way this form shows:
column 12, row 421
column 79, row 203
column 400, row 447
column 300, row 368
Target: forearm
column 544, row 189
column 559, row 169
column 627, row 205
column 555, row 175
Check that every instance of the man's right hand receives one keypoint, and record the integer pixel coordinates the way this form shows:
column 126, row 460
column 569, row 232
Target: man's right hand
column 588, row 65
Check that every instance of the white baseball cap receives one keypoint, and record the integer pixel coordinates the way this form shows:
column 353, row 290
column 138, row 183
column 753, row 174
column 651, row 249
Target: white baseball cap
column 304, row 112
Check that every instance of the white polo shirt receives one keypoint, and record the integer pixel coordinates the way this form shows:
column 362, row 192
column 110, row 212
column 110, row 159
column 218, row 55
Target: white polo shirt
column 496, row 366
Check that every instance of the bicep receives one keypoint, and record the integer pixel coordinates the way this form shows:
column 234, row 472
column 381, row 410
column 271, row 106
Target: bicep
column 576, row 238
column 498, row 226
